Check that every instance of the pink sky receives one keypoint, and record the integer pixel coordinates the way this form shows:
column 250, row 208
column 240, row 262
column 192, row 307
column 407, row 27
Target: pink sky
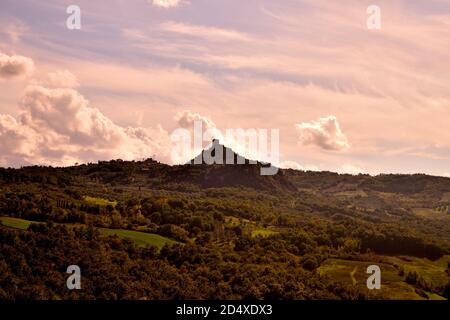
column 345, row 98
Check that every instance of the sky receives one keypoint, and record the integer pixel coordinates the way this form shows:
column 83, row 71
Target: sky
column 345, row 98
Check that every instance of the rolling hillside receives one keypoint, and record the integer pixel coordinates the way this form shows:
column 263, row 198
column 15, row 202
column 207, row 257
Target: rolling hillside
column 221, row 232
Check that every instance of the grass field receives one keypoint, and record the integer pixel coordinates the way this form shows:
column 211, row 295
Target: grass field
column 430, row 213
column 352, row 194
column 140, row 238
column 393, row 286
column 432, row 272
column 250, row 226
column 234, row 221
column 15, row 223
column 100, row 201
column 263, row 232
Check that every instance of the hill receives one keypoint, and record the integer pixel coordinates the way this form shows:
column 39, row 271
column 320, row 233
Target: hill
column 220, row 232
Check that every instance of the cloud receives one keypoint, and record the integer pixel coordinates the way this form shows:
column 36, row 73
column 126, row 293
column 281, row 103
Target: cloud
column 17, row 140
column 297, row 166
column 350, row 169
column 59, row 79
column 186, row 118
column 166, row 3
column 59, row 127
column 447, row 175
column 208, row 33
column 66, row 112
column 14, row 66
column 324, row 133
column 14, row 31
column 279, row 65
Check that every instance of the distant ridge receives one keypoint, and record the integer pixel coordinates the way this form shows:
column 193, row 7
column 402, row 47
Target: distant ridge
column 219, row 166
column 224, row 155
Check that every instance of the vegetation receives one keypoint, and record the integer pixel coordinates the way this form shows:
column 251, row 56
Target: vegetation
column 139, row 238
column 100, row 201
column 15, row 223
column 145, row 230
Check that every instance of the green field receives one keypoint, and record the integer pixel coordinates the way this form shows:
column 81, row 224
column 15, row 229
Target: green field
column 263, row 232
column 352, row 194
column 16, row 223
column 100, row 201
column 139, row 238
column 393, row 286
column 432, row 272
column 234, row 221
column 436, row 213
column 250, row 226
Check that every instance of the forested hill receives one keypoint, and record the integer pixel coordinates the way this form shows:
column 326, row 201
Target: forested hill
column 152, row 173
column 220, row 232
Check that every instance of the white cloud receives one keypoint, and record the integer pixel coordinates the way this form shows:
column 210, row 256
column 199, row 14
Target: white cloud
column 324, row 133
column 205, row 32
column 297, row 166
column 186, row 118
column 17, row 140
column 446, row 174
column 13, row 66
column 59, row 127
column 59, row 79
column 350, row 169
column 166, row 3
column 66, row 112
column 14, row 31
